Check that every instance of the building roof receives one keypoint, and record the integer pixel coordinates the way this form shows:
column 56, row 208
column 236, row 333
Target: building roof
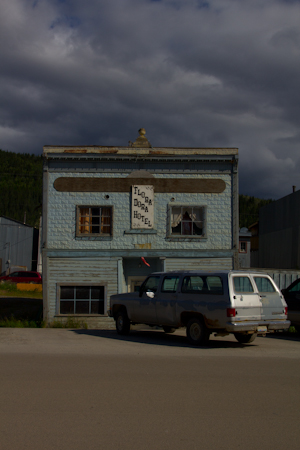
column 141, row 147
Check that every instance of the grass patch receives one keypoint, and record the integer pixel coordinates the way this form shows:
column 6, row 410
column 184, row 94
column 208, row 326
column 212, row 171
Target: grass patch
column 293, row 330
column 10, row 290
column 12, row 322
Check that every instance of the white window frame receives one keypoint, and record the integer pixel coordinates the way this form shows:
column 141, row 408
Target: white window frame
column 187, row 208
column 89, row 223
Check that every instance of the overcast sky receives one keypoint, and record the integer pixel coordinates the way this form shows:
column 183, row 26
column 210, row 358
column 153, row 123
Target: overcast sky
column 193, row 73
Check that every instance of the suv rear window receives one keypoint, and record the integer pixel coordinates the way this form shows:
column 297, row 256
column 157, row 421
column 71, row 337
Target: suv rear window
column 264, row 284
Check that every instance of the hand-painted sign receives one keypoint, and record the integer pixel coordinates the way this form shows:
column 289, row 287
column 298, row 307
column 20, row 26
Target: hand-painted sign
column 142, row 210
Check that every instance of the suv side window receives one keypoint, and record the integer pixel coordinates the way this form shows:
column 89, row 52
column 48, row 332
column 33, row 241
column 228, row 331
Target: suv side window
column 202, row 285
column 151, row 284
column 295, row 288
column 242, row 284
column 170, row 284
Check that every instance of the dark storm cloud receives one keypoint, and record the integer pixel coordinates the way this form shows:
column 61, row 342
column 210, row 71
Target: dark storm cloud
column 193, row 73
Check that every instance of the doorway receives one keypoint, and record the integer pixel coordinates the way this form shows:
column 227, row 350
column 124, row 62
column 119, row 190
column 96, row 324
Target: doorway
column 134, row 283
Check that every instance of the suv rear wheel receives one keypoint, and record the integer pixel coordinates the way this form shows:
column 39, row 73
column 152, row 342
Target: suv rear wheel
column 196, row 332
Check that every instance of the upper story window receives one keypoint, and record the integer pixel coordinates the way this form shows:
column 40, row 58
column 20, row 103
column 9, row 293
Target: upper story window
column 187, row 221
column 94, row 221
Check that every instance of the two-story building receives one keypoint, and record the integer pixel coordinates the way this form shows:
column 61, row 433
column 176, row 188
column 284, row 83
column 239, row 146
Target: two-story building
column 112, row 215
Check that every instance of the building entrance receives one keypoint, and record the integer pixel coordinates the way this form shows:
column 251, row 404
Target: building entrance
column 136, row 270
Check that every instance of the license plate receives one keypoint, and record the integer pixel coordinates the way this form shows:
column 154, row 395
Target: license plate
column 261, row 329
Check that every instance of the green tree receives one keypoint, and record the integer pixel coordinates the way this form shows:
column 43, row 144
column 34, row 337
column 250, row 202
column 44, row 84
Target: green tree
column 21, row 181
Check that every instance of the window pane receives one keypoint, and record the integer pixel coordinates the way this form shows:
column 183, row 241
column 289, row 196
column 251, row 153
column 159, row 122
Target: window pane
column 97, row 307
column 97, row 292
column 82, row 292
column 95, row 229
column 82, row 307
column 95, row 220
column 198, row 228
column 202, row 285
column 85, row 300
column 264, row 284
column 66, row 292
column 170, row 284
column 67, row 307
column 187, row 220
column 152, row 284
column 214, row 285
column 243, row 247
column 106, row 212
column 242, row 284
column 295, row 288
column 84, row 220
column 192, row 285
column 95, row 212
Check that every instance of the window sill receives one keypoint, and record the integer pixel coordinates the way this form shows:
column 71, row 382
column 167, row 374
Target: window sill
column 80, row 315
column 185, row 238
column 90, row 237
column 140, row 231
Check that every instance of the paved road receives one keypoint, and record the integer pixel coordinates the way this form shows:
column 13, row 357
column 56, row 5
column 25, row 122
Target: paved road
column 64, row 389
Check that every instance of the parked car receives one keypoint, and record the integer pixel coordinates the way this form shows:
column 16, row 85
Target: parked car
column 23, row 277
column 222, row 302
column 292, row 298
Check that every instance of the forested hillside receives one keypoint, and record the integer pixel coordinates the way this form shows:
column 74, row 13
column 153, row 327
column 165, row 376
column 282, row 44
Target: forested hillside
column 249, row 209
column 21, row 190
column 21, row 187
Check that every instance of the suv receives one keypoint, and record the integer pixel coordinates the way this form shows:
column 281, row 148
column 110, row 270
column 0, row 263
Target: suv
column 292, row 297
column 22, row 277
column 239, row 302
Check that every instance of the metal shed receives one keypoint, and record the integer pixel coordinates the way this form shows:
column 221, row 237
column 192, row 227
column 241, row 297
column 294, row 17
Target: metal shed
column 18, row 245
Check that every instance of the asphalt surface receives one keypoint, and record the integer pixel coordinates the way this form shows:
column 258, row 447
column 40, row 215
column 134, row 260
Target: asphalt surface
column 90, row 389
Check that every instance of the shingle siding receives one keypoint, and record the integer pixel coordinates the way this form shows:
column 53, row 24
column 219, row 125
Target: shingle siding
column 62, row 218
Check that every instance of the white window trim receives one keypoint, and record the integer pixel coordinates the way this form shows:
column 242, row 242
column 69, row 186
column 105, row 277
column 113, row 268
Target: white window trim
column 93, row 235
column 186, row 236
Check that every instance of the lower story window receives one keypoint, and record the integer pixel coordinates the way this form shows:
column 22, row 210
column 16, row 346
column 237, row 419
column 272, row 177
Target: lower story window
column 81, row 300
column 187, row 221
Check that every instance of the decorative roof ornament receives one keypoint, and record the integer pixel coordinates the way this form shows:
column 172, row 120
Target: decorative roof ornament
column 141, row 141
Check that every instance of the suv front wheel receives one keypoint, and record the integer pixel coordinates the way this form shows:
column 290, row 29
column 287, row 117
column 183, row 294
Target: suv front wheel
column 122, row 323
